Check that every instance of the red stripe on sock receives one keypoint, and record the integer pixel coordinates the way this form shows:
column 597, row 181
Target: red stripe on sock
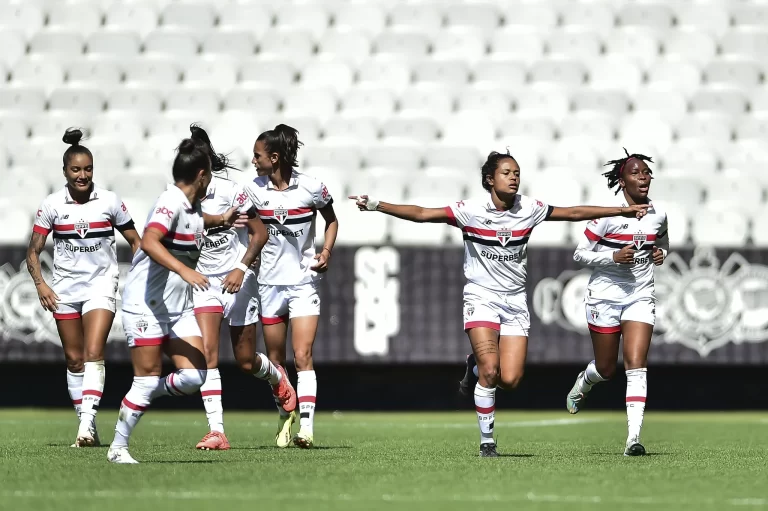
column 170, row 382
column 205, row 393
column 635, row 399
column 92, row 393
column 307, row 399
column 77, row 401
column 132, row 406
column 481, row 409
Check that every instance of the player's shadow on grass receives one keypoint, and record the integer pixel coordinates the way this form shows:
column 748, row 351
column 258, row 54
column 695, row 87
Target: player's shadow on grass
column 516, row 455
column 274, row 447
column 70, row 445
column 183, row 461
column 622, row 454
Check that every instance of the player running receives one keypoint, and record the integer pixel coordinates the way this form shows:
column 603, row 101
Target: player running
column 157, row 300
column 288, row 201
column 83, row 218
column 496, row 233
column 620, row 299
column 225, row 259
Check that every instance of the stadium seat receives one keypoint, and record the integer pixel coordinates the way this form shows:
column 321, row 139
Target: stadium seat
column 405, row 44
column 418, row 129
column 492, row 101
column 549, row 102
column 760, row 227
column 746, row 155
column 28, row 100
column 741, row 193
column 426, row 17
column 217, row 73
column 38, row 154
column 135, row 100
column 671, row 106
column 750, row 15
column 61, row 16
column 108, row 159
column 318, row 103
column 530, row 18
column 686, row 192
column 64, row 46
column 597, row 16
column 485, row 17
column 568, row 192
column 703, row 17
column 368, row 18
column 508, row 44
column 393, row 71
column 749, row 42
column 199, row 103
column 266, row 71
column 692, row 157
column 752, row 128
column 255, row 18
column 40, row 71
column 188, row 16
column 132, row 184
column 311, row 17
column 601, row 127
column 140, row 17
column 727, row 101
column 678, row 223
column 549, row 234
column 427, row 100
column 614, row 103
column 259, row 102
column 459, row 43
column 138, row 207
column 230, row 43
column 235, row 131
column 675, row 76
column 346, row 157
column 19, row 221
column 451, row 73
column 309, row 126
column 634, row 43
column 690, row 46
column 575, row 43
column 378, row 103
column 467, row 177
column 386, row 183
column 741, row 73
column 433, row 185
column 400, row 155
column 359, row 228
column 416, row 234
column 152, row 72
column 614, row 73
column 14, row 46
column 559, row 72
column 148, row 157
column 84, row 101
column 641, row 131
column 328, row 73
column 575, row 152
column 712, row 128
column 758, row 103
column 175, row 44
column 22, row 16
column 656, row 16
column 117, row 127
column 719, row 228
column 15, row 127
column 364, row 129
column 295, row 46
column 498, row 73
column 105, row 75
column 470, row 128
column 351, row 46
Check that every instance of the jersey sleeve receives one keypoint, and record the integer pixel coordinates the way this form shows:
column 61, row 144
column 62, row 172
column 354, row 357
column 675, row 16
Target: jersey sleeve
column 459, row 213
column 662, row 238
column 540, row 211
column 585, row 252
column 164, row 215
column 120, row 217
column 243, row 202
column 321, row 197
column 44, row 219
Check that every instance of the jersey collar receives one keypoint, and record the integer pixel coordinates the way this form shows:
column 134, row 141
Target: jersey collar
column 175, row 189
column 293, row 182
column 490, row 206
column 69, row 200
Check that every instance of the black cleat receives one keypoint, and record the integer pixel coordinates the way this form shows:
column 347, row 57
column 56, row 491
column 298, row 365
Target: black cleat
column 467, row 384
column 635, row 449
column 488, row 451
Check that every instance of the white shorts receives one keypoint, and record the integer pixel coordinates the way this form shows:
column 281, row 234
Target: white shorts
column 506, row 313
column 606, row 317
column 74, row 310
column 148, row 330
column 278, row 303
column 239, row 309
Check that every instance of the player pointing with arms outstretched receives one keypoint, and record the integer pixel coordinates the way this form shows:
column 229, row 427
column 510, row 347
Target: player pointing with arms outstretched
column 496, row 233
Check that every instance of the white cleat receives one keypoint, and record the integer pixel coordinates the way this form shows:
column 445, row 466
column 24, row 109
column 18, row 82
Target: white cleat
column 87, row 435
column 120, row 455
column 634, row 447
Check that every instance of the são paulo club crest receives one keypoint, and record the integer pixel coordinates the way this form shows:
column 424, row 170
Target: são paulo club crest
column 639, row 240
column 141, row 326
column 199, row 239
column 281, row 214
column 593, row 313
column 504, row 236
column 81, row 228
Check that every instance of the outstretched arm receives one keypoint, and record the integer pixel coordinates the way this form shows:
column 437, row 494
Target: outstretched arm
column 579, row 213
column 585, row 252
column 404, row 212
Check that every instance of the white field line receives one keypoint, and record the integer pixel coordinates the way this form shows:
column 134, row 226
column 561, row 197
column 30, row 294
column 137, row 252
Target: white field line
column 252, row 497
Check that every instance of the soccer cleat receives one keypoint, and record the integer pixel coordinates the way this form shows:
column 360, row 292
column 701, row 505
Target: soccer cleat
column 468, row 382
column 87, row 435
column 575, row 396
column 304, row 439
column 121, row 456
column 214, row 441
column 634, row 448
column 285, row 392
column 488, row 451
column 284, row 425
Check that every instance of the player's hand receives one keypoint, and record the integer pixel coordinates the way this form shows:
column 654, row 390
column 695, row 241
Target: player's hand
column 322, row 262
column 233, row 281
column 194, row 279
column 658, row 256
column 241, row 221
column 229, row 217
column 365, row 203
column 48, row 299
column 625, row 256
column 636, row 210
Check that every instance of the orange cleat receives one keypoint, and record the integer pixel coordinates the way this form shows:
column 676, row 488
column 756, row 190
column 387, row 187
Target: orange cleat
column 214, row 441
column 284, row 392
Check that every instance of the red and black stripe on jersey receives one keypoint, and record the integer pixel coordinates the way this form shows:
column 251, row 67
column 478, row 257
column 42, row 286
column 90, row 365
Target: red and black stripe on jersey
column 171, row 240
column 496, row 237
column 619, row 240
column 83, row 230
column 288, row 216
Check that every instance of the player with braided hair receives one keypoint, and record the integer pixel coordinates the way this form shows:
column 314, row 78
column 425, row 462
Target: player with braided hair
column 620, row 299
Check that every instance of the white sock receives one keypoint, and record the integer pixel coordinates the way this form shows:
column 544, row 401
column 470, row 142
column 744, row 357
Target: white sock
column 211, row 392
column 93, row 388
column 474, row 371
column 637, row 390
column 590, row 378
column 485, row 405
column 75, row 388
column 306, row 390
column 184, row 382
column 133, row 406
column 268, row 371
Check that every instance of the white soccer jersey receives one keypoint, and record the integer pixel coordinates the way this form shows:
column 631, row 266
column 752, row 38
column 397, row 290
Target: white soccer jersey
column 150, row 288
column 84, row 261
column 289, row 216
column 496, row 242
column 611, row 281
column 223, row 247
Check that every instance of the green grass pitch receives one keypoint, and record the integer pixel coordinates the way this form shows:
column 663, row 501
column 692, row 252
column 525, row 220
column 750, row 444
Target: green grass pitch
column 371, row 461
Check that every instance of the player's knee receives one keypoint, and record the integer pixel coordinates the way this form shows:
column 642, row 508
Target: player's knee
column 488, row 375
column 245, row 363
column 303, row 359
column 75, row 364
column 607, row 370
column 510, row 380
column 631, row 362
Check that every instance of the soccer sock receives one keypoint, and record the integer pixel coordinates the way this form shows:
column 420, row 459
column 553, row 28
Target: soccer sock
column 184, row 382
column 75, row 388
column 133, row 406
column 306, row 390
column 590, row 378
column 267, row 371
column 93, row 388
column 485, row 405
column 211, row 392
column 637, row 390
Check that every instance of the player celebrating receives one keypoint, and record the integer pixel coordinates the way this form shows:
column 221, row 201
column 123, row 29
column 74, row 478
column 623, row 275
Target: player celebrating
column 83, row 218
column 620, row 300
column 288, row 201
column 157, row 300
column 496, row 234
column 225, row 259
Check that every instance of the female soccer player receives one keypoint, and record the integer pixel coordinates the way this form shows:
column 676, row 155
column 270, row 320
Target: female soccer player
column 496, row 234
column 620, row 300
column 288, row 201
column 225, row 259
column 83, row 218
column 157, row 300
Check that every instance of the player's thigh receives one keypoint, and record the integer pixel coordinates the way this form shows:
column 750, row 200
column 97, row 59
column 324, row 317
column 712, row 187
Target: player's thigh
column 210, row 328
column 513, row 350
column 146, row 336
column 274, row 320
column 185, row 343
column 604, row 322
column 304, row 311
column 482, row 322
column 69, row 324
column 98, row 315
column 637, row 321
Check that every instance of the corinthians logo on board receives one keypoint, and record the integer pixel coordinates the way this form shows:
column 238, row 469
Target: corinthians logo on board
column 702, row 304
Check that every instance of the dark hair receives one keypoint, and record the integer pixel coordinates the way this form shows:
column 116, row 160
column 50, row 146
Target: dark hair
column 614, row 174
column 73, row 136
column 490, row 165
column 284, row 141
column 219, row 162
column 191, row 157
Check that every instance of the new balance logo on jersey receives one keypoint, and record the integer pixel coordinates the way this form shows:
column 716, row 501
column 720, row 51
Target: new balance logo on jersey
column 81, row 228
column 65, row 217
column 504, row 236
column 141, row 326
column 623, row 226
column 281, row 214
column 639, row 240
column 488, row 222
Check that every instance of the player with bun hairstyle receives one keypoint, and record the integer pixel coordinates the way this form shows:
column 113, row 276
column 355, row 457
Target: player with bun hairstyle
column 225, row 259
column 287, row 202
column 496, row 233
column 158, row 315
column 620, row 299
column 83, row 218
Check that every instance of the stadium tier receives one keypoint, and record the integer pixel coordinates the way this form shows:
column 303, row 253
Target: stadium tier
column 401, row 99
